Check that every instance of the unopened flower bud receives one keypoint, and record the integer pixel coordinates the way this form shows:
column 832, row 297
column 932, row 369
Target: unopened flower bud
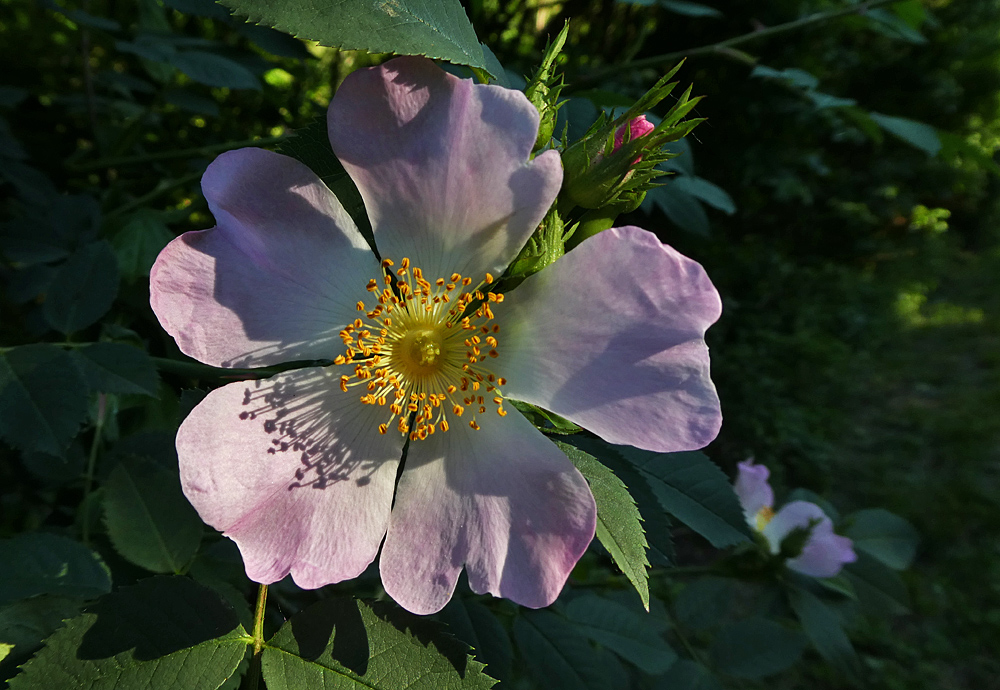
column 637, row 127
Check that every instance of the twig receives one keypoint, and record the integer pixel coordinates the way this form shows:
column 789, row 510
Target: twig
column 196, row 152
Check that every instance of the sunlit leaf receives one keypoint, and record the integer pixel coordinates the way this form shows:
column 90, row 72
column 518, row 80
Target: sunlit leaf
column 346, row 645
column 435, row 28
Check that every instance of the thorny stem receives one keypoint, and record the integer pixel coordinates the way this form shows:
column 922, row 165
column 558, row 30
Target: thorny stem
column 146, row 198
column 723, row 46
column 88, row 482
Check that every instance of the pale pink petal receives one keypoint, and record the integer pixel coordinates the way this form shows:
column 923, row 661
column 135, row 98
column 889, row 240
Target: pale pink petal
column 503, row 500
column 275, row 280
column 611, row 336
column 753, row 489
column 824, row 553
column 295, row 472
column 442, row 165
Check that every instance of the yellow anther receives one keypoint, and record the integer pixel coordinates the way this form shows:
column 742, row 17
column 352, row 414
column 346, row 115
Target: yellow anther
column 382, row 428
column 474, row 425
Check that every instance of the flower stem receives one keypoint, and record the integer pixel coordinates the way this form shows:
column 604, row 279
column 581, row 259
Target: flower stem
column 196, row 152
column 88, row 481
column 252, row 680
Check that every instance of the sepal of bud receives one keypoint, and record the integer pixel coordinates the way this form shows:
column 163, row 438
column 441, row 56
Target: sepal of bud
column 543, row 248
column 616, row 159
column 544, row 88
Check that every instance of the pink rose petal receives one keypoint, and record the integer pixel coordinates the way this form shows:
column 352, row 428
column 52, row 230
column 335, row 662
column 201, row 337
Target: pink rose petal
column 442, row 165
column 502, row 500
column 753, row 490
column 275, row 280
column 611, row 336
column 293, row 470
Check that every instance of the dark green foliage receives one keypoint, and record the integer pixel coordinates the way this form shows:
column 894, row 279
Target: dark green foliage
column 755, row 648
column 40, row 563
column 83, row 288
column 162, row 633
column 148, row 519
column 342, row 644
column 559, row 656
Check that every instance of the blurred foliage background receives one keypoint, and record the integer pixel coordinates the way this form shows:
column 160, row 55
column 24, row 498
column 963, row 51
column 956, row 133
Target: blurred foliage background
column 858, row 255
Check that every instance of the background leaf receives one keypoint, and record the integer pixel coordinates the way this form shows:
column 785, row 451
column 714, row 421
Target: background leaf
column 436, row 28
column 475, row 624
column 687, row 675
column 755, row 648
column 693, row 489
column 43, row 398
column 823, row 628
column 619, row 525
column 912, row 132
column 83, row 288
column 148, row 519
column 41, row 563
column 214, row 70
column 884, row 535
column 161, row 634
column 559, row 657
column 116, row 368
column 634, row 636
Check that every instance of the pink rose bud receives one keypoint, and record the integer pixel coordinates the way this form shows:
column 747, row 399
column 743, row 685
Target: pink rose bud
column 638, row 127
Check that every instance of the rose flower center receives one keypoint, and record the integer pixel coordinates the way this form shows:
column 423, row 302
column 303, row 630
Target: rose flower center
column 421, row 350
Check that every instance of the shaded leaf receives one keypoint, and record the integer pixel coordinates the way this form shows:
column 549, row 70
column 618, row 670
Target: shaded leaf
column 705, row 602
column 693, row 489
column 43, row 398
column 345, row 644
column 41, row 563
column 712, row 194
column 438, row 29
column 755, row 648
column 24, row 624
column 139, row 242
column 681, row 208
column 214, row 70
column 148, row 519
column 116, row 368
column 635, row 637
column 879, row 589
column 824, row 630
column 918, row 134
column 884, row 535
column 619, row 525
column 559, row 657
column 687, row 675
column 475, row 624
column 161, row 634
column 83, row 288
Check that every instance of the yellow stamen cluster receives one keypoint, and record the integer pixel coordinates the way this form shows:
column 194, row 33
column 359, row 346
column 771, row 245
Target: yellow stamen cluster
column 420, row 350
column 763, row 517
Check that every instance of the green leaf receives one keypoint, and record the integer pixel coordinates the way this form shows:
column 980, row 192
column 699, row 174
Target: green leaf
column 880, row 590
column 311, row 145
column 705, row 602
column 619, row 525
column 43, row 398
column 693, row 489
column 161, row 634
column 712, row 194
column 343, row 644
column 274, row 42
column 24, row 624
column 83, row 288
column 139, row 242
column 199, row 8
column 475, row 624
column 116, row 368
column 918, row 134
column 681, row 208
column 148, row 519
column 560, row 658
column 214, row 70
column 40, row 563
column 689, row 9
column 635, row 637
column 823, row 628
column 884, row 535
column 687, row 675
column 437, row 29
column 755, row 648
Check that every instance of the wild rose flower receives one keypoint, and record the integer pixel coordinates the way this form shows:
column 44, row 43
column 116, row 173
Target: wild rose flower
column 824, row 553
column 300, row 469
